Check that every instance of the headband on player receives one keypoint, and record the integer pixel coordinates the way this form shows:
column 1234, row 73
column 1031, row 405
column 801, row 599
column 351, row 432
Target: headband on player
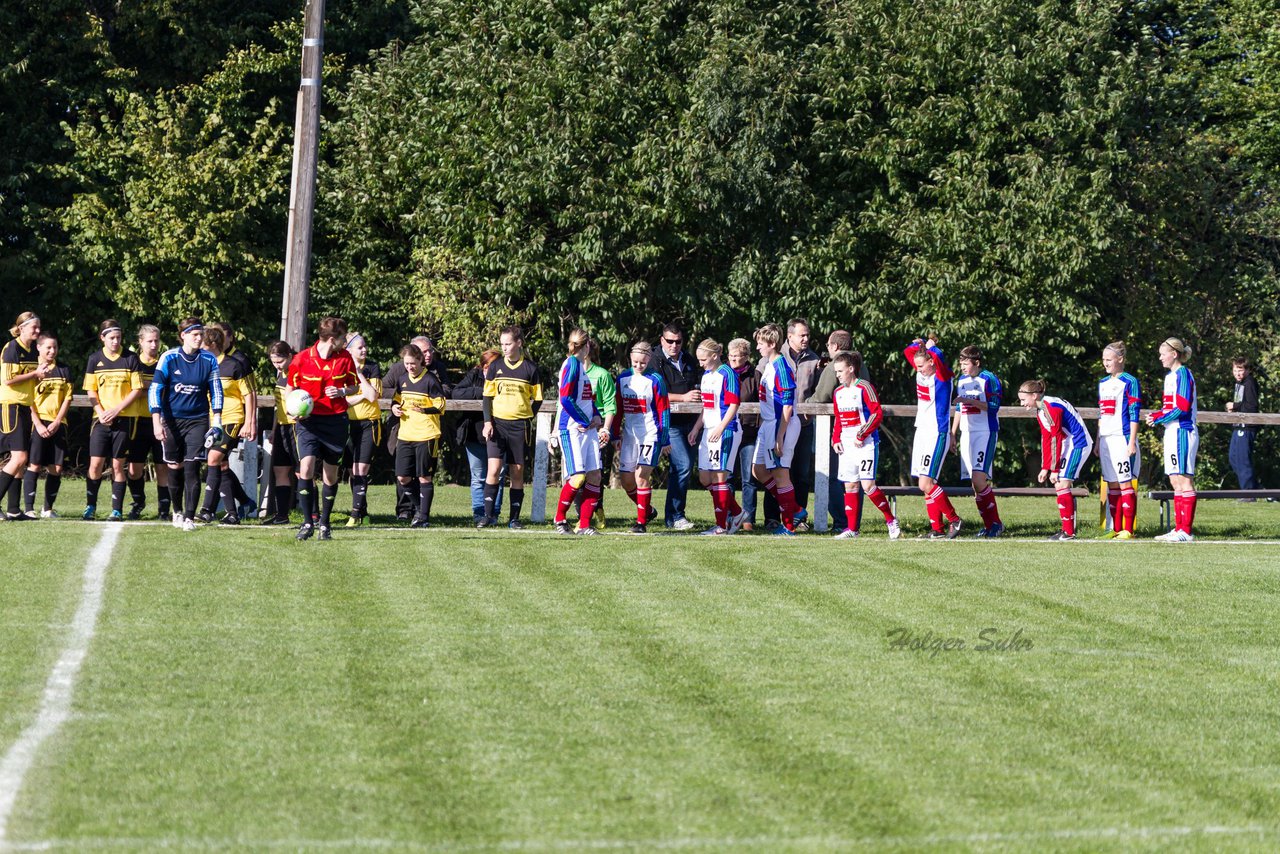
column 192, row 328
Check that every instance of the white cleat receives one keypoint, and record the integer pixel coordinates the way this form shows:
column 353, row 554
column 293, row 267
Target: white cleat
column 188, row 524
column 735, row 522
column 846, row 534
column 1183, row 537
column 48, row 514
column 178, row 519
column 715, row 531
column 895, row 530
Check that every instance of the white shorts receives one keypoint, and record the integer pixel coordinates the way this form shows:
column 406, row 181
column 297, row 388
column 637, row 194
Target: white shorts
column 1073, row 459
column 1117, row 465
column 767, row 439
column 581, row 451
column 719, row 455
column 976, row 453
column 1180, row 448
column 858, row 463
column 927, row 453
column 638, row 451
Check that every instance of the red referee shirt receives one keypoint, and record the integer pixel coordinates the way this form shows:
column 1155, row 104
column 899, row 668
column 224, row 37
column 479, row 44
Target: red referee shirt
column 308, row 371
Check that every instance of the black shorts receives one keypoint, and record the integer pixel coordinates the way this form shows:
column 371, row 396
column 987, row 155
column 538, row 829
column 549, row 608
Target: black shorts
column 284, row 446
column 112, row 441
column 48, row 452
column 510, row 440
column 366, row 434
column 416, row 459
column 230, row 438
column 144, row 443
column 322, row 436
column 15, row 428
column 184, row 440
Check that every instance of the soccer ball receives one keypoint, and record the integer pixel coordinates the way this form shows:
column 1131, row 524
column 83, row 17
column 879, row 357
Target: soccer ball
column 298, row 403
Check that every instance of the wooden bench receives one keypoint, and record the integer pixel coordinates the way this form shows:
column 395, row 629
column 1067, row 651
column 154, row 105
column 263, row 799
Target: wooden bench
column 961, row 491
column 1165, row 497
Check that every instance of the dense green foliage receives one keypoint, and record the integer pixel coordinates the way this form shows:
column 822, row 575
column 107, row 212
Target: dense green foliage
column 1036, row 178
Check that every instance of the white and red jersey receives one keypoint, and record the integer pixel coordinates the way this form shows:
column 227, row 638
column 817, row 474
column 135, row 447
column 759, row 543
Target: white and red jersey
column 857, row 413
column 933, row 394
column 646, row 407
column 985, row 387
column 720, row 391
column 777, row 388
column 1119, row 405
column 1060, row 427
column 577, row 400
column 1178, row 407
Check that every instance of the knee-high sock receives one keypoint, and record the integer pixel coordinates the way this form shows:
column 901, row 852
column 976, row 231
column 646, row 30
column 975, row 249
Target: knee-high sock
column 644, row 499
column 52, row 483
column 786, row 496
column 932, row 507
column 191, row 489
column 307, row 499
column 328, row 494
column 720, row 501
column 359, row 494
column 1188, row 510
column 515, row 501
column 986, row 501
column 1128, row 508
column 567, row 493
column 426, row 494
column 490, row 499
column 117, row 495
column 945, row 507
column 163, row 502
column 284, row 500
column 212, row 488
column 237, row 488
column 226, row 488
column 6, row 481
column 881, row 501
column 177, row 484
column 1067, row 510
column 138, row 492
column 590, row 500
column 852, row 508
column 91, row 487
column 1113, row 507
column 30, row 483
column 15, row 495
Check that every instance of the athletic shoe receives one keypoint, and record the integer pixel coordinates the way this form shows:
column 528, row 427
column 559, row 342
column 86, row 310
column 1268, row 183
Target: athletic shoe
column 1166, row 537
column 771, row 526
column 229, row 519
column 637, row 528
column 598, row 520
column 587, row 532
column 933, row 535
column 515, row 525
column 135, row 512
column 276, row 520
column 418, row 522
column 953, row 530
column 801, row 517
column 407, row 516
column 326, row 533
column 116, row 516
column 244, row 511
column 735, row 522
column 1062, row 537
column 89, row 513
column 1124, row 535
column 48, row 514
column 1182, row 537
column 562, row 528
column 354, row 521
column 21, row 517
column 714, row 531
column 682, row 524
column 895, row 530
column 163, row 517
column 205, row 517
column 1109, row 535
column 486, row 522
column 847, row 534
column 784, row 531
column 188, row 524
column 653, row 514
column 178, row 520
column 996, row 529
column 305, row 532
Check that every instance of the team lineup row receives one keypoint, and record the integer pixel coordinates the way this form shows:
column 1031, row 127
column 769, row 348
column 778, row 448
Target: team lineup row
column 188, row 407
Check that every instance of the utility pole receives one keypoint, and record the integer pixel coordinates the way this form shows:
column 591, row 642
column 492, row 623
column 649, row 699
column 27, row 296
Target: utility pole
column 302, row 191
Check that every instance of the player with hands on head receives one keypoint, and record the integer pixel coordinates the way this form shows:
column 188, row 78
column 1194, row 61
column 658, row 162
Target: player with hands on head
column 933, row 435
column 855, row 436
column 1065, row 445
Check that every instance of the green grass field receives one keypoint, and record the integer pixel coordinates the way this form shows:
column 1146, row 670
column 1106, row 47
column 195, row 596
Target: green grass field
column 454, row 690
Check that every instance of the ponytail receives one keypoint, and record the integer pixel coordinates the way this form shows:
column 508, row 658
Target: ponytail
column 1033, row 387
column 1183, row 349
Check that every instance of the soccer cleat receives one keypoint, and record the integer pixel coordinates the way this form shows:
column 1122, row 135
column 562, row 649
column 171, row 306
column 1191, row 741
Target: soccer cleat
column 1166, row 537
column 735, row 522
column 1182, row 537
column 249, row 508
column 933, row 535
column 996, row 529
column 276, row 520
column 515, row 525
column 407, row 515
column 135, row 513
column 562, row 528
column 48, row 514
column 89, row 513
column 229, row 519
column 895, row 530
column 418, row 522
column 486, row 522
column 164, row 517
column 587, row 532
column 715, row 531
column 116, row 516
column 1109, row 535
column 325, row 533
column 783, row 531
column 653, row 514
column 847, row 534
column 354, row 521
column 178, row 520
column 1062, row 537
column 204, row 517
column 637, row 528
column 801, row 517
column 188, row 524
column 682, row 524
column 305, row 532
column 953, row 529
column 21, row 517
column 1124, row 535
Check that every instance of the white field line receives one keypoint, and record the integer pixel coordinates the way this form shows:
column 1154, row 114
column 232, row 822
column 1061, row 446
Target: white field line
column 55, row 705
column 1119, row 834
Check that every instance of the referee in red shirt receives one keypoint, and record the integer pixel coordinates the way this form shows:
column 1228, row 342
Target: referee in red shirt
column 326, row 371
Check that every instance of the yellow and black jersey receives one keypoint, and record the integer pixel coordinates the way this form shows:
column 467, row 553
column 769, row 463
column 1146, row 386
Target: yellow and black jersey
column 415, row 394
column 237, row 385
column 368, row 410
column 278, row 392
column 52, row 391
column 111, row 379
column 146, row 370
column 16, row 360
column 512, row 388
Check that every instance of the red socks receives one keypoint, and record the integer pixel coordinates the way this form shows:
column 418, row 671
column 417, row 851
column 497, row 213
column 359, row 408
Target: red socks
column 986, row 501
column 720, row 496
column 881, row 501
column 1184, row 511
column 590, row 498
column 1067, row 510
column 1127, row 505
column 852, row 508
column 567, row 492
column 642, row 497
column 939, row 507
